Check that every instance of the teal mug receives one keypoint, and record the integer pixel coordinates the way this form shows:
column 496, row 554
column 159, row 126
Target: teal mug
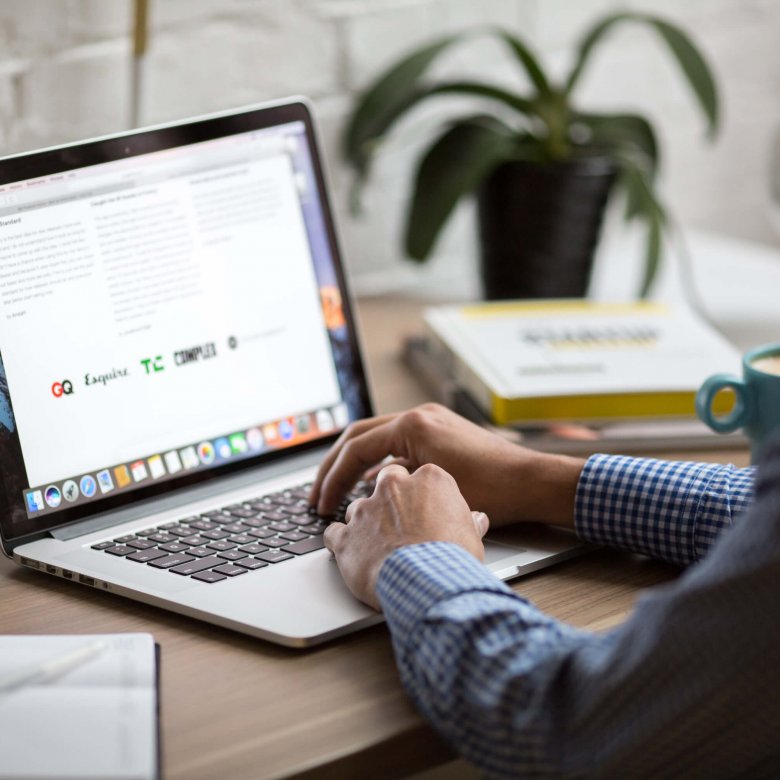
column 757, row 397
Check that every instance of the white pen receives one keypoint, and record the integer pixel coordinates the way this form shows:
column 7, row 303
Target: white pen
column 51, row 669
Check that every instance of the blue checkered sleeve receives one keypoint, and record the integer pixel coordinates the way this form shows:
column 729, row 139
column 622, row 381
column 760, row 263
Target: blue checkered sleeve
column 673, row 511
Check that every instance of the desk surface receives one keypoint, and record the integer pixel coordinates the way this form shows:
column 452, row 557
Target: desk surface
column 236, row 707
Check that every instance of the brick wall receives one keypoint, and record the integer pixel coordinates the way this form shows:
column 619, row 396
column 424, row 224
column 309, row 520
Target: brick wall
column 65, row 74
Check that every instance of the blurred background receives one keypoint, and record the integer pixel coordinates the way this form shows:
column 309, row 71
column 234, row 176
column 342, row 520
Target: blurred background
column 66, row 73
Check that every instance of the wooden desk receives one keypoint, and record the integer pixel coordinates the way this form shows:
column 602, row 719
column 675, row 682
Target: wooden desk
column 235, row 707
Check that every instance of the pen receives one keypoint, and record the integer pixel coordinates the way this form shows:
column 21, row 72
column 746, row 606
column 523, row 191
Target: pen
column 51, row 669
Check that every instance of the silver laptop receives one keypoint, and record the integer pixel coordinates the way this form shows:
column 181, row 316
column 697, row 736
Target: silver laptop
column 178, row 352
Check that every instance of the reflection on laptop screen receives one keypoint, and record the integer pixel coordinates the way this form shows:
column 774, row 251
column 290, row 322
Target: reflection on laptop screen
column 167, row 313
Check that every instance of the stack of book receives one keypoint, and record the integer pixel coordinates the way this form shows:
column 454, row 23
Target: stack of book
column 576, row 376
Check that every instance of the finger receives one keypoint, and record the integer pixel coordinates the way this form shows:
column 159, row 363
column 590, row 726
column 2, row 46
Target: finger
column 332, row 536
column 352, row 508
column 353, row 459
column 391, row 469
column 373, row 472
column 357, row 428
column 481, row 522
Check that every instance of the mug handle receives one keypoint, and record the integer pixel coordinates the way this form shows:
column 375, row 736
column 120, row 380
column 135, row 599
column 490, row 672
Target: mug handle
column 737, row 417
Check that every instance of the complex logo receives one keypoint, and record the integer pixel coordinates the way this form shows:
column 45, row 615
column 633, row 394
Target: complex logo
column 153, row 365
column 58, row 389
column 193, row 354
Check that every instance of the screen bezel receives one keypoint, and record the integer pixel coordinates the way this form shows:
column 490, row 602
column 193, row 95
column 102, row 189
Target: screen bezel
column 154, row 139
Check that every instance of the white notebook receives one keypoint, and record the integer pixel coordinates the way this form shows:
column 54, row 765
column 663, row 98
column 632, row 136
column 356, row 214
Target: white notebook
column 81, row 706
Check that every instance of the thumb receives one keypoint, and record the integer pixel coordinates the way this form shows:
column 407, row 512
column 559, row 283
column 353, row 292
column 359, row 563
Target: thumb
column 481, row 522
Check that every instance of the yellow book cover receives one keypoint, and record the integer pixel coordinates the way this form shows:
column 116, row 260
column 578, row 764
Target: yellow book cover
column 527, row 361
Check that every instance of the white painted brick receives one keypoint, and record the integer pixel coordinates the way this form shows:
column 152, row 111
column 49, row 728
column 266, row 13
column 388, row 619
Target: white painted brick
column 78, row 94
column 29, row 27
column 228, row 62
column 89, row 20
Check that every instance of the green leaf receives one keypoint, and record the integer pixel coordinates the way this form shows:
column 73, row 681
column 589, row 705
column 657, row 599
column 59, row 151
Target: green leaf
column 454, row 166
column 646, row 207
column 628, row 135
column 472, row 88
column 387, row 97
column 688, row 57
column 528, row 60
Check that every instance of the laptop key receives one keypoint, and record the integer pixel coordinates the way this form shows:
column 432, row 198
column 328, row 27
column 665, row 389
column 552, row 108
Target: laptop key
column 251, row 563
column 144, row 556
column 102, row 545
column 234, row 528
column 275, row 541
column 208, row 576
column 275, row 516
column 203, row 525
column 241, row 539
column 230, row 569
column 275, row 556
column 221, row 544
column 243, row 512
column 199, row 564
column 162, row 538
column 306, row 546
column 119, row 549
column 215, row 534
column 172, row 547
column 146, row 532
column 253, row 548
column 180, row 530
column 282, row 526
column 254, row 522
column 170, row 561
column 297, row 510
column 295, row 536
column 199, row 552
column 141, row 544
column 303, row 520
column 261, row 533
column 232, row 555
column 193, row 541
column 124, row 539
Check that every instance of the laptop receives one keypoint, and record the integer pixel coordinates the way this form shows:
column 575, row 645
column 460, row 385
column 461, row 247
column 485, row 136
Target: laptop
column 178, row 351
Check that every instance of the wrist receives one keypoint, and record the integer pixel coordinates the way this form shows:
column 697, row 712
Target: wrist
column 549, row 485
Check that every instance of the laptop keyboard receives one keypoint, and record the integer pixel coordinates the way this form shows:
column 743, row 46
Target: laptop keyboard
column 233, row 540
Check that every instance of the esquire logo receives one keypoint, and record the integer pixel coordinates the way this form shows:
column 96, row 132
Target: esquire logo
column 104, row 379
column 58, row 389
column 194, row 354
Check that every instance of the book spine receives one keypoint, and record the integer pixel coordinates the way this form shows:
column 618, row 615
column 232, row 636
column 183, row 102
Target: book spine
column 451, row 365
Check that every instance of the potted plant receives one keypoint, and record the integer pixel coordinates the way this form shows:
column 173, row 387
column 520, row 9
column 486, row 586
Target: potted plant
column 542, row 168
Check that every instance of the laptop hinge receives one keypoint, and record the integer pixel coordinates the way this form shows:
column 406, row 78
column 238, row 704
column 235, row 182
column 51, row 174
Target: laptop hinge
column 188, row 495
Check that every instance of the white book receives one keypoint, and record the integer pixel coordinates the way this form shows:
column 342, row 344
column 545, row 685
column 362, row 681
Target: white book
column 531, row 361
column 78, row 706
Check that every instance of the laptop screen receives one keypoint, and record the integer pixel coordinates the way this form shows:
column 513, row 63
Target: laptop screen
column 172, row 309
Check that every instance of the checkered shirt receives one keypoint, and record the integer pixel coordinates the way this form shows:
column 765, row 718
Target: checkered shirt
column 688, row 687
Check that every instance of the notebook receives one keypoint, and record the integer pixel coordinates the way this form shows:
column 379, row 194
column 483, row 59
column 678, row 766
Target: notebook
column 178, row 353
column 79, row 706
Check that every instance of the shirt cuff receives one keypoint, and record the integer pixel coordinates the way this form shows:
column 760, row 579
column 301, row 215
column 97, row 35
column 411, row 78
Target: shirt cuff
column 415, row 578
column 672, row 510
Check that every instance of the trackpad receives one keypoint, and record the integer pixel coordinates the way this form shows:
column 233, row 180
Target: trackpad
column 495, row 552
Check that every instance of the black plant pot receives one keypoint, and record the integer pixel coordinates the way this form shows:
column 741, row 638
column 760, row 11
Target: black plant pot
column 539, row 226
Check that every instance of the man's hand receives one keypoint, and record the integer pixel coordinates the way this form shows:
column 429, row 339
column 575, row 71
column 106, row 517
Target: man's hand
column 405, row 509
column 508, row 482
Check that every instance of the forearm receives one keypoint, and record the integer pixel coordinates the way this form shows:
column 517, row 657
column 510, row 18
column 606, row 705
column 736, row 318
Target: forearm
column 520, row 694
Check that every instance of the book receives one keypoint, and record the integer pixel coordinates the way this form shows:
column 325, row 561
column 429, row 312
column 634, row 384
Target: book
column 583, row 361
column 645, row 436
column 81, row 706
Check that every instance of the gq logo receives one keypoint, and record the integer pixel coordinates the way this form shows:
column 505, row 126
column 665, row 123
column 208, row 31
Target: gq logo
column 58, row 389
